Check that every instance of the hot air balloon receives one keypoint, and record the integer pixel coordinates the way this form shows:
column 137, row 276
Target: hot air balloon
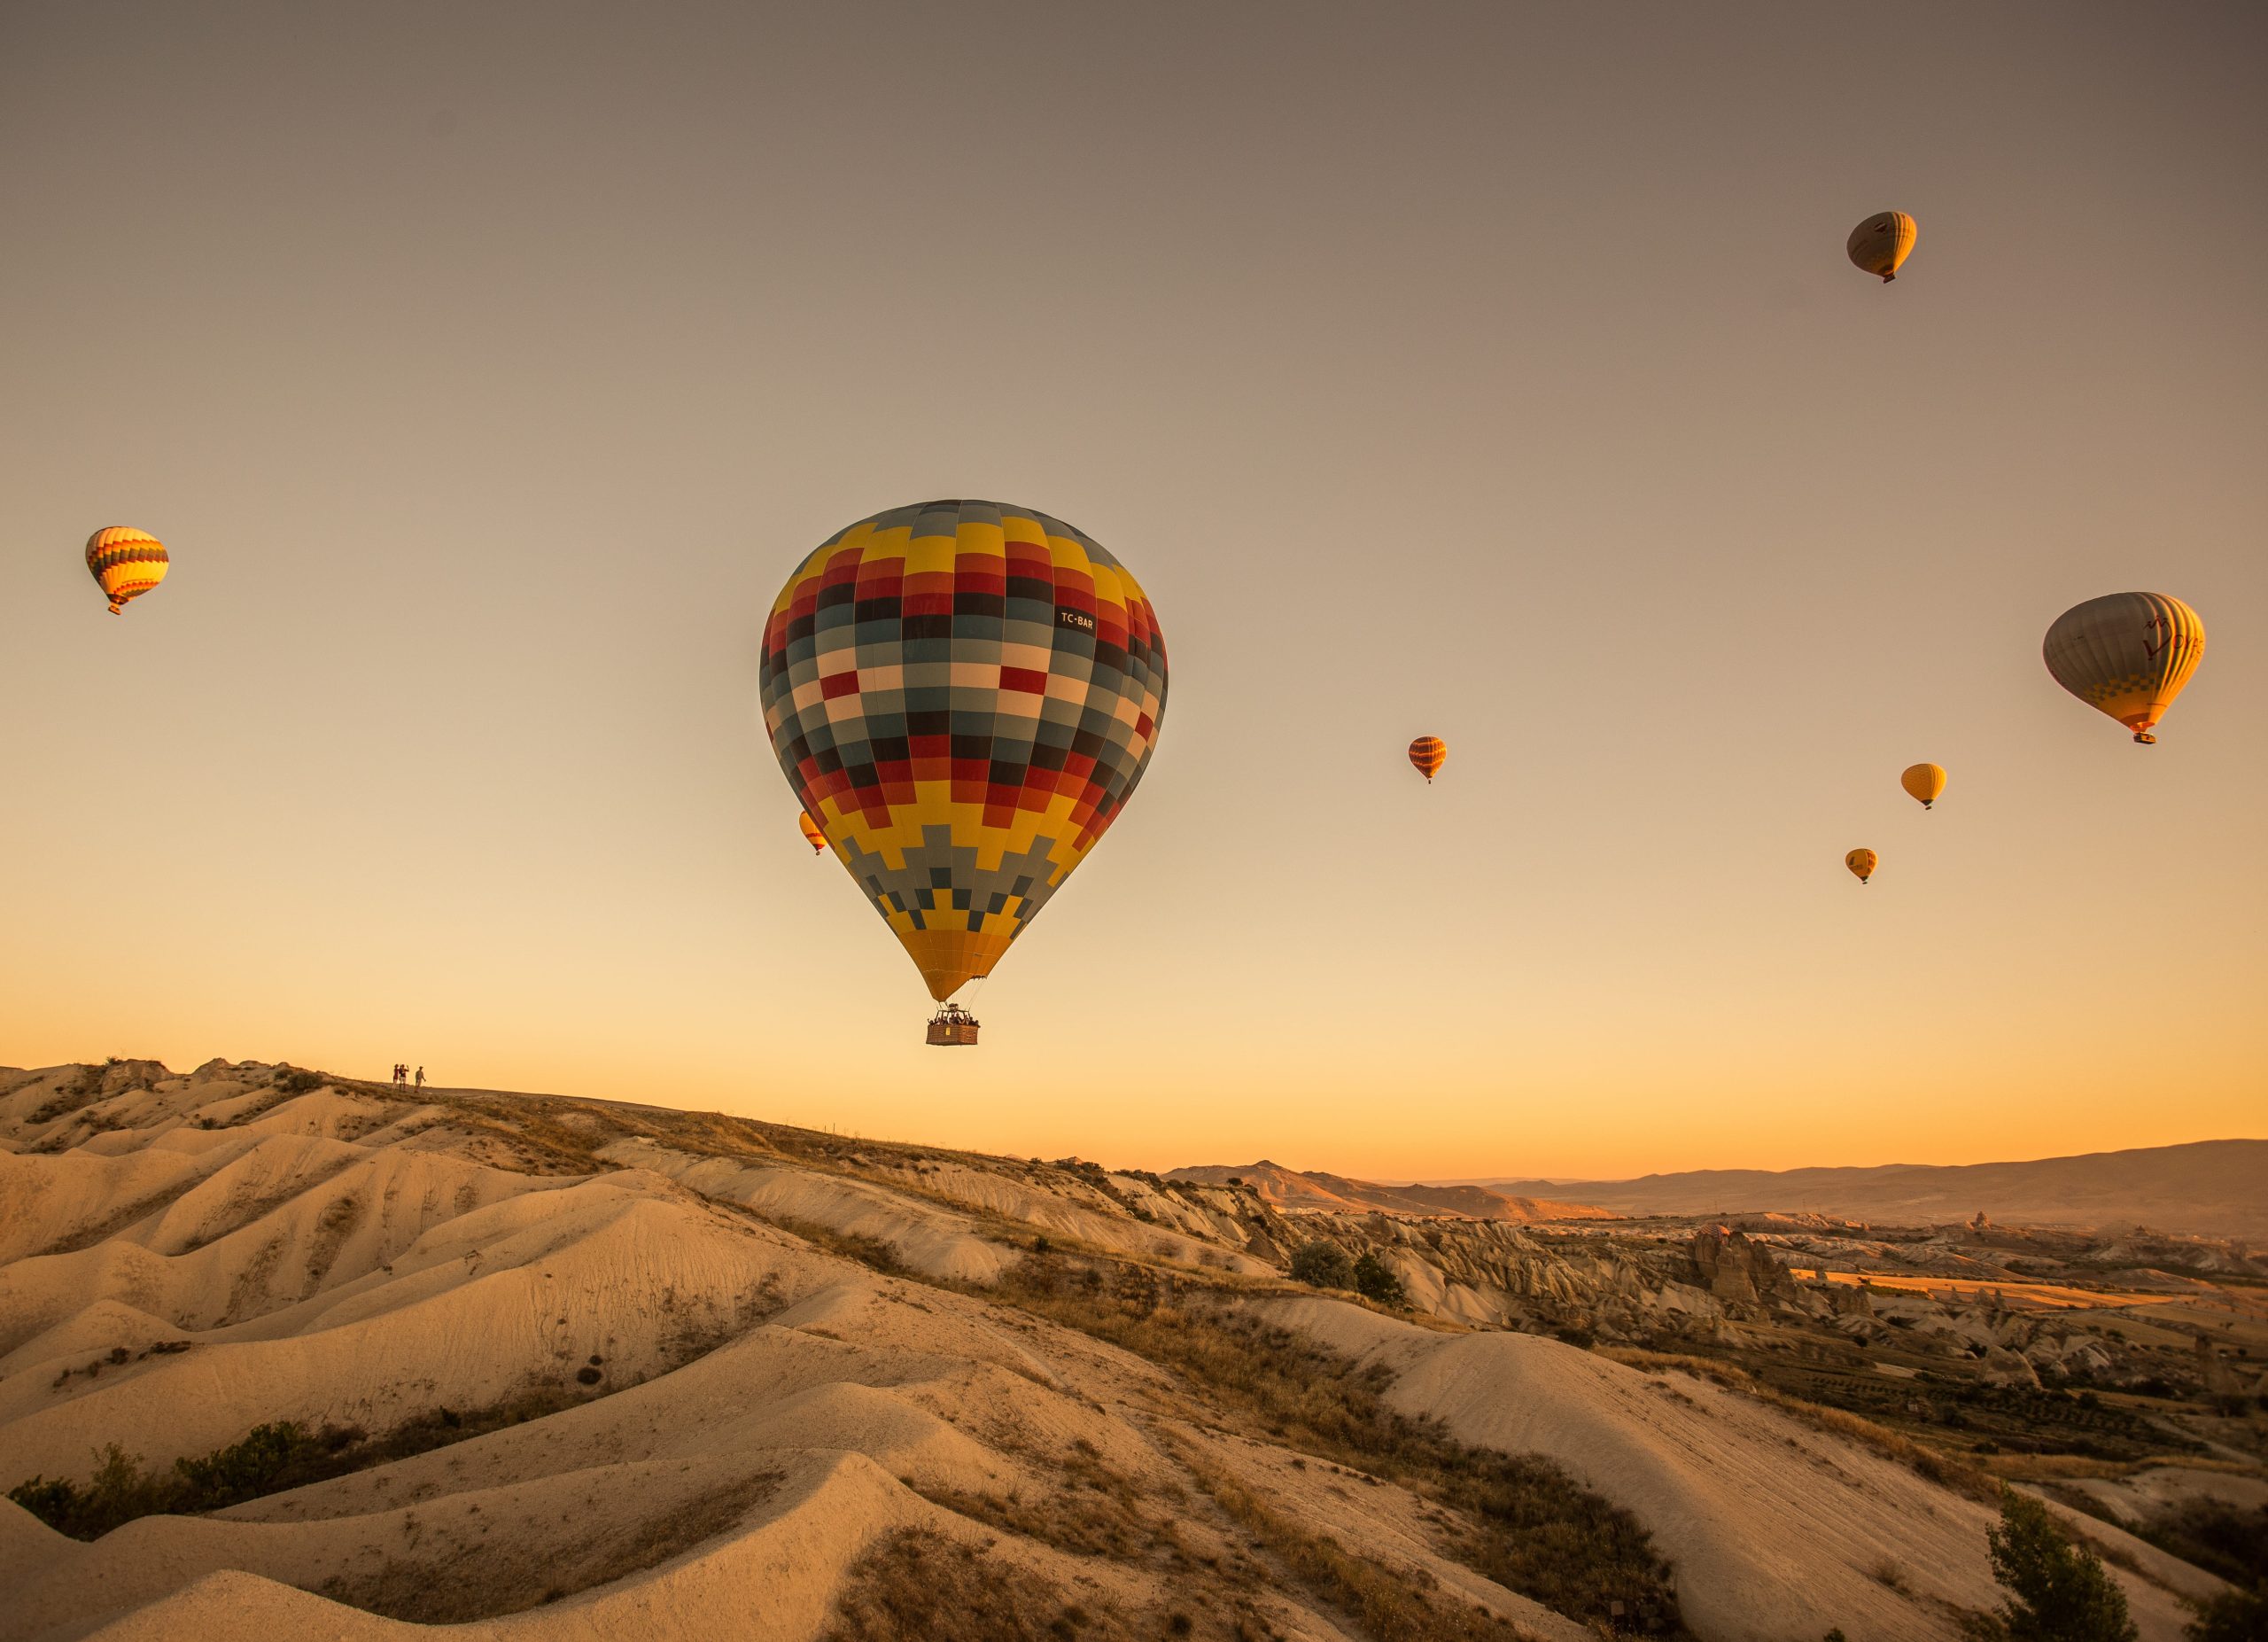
column 1882, row 242
column 964, row 696
column 812, row 831
column 126, row 564
column 1924, row 783
column 1429, row 753
column 1862, row 863
column 2127, row 654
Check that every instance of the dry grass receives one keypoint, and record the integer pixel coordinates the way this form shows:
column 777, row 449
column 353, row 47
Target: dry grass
column 2055, row 1468
column 1529, row 1526
column 1098, row 1511
column 531, row 1128
column 1387, row 1606
column 1958, row 1475
column 477, row 1578
column 1730, row 1376
column 1891, row 1576
column 111, row 1224
column 919, row 1584
column 84, row 1090
column 274, row 1458
column 871, row 1252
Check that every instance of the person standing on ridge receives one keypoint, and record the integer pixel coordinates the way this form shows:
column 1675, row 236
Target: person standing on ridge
column 421, row 1080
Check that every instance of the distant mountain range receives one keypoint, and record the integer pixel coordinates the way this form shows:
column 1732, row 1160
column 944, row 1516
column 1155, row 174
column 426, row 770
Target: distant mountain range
column 2216, row 1188
column 1291, row 1190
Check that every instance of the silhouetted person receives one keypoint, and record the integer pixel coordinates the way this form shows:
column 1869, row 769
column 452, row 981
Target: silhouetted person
column 400, row 1074
column 421, row 1080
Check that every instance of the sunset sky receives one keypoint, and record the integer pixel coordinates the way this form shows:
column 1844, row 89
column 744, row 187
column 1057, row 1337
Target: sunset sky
column 1485, row 372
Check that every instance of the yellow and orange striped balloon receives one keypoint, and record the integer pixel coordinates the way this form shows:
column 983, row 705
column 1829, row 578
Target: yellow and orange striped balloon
column 810, row 831
column 1429, row 753
column 126, row 564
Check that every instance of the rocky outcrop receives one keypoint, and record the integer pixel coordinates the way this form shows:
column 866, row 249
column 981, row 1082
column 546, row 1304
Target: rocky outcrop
column 1741, row 1274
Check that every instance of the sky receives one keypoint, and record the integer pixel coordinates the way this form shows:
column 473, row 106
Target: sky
column 1485, row 372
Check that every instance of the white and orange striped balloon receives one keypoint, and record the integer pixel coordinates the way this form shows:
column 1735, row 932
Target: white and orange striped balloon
column 1880, row 244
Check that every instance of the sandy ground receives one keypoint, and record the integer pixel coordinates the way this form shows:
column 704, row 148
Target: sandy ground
column 737, row 1413
column 1779, row 1530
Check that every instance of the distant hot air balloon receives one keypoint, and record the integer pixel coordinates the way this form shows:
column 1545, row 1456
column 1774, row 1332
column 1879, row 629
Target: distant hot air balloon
column 1429, row 753
column 1924, row 783
column 812, row 831
column 964, row 696
column 1862, row 863
column 2127, row 654
column 125, row 564
column 1882, row 242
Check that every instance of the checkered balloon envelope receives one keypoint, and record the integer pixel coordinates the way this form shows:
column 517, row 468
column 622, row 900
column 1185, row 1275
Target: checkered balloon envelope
column 963, row 696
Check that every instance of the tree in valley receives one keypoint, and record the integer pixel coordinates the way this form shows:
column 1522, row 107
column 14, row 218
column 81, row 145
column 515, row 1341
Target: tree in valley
column 2058, row 1590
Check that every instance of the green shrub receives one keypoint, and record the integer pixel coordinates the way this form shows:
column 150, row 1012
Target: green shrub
column 1322, row 1265
column 2058, row 1590
column 272, row 1458
column 1375, row 1280
column 2220, row 1537
column 2233, row 1616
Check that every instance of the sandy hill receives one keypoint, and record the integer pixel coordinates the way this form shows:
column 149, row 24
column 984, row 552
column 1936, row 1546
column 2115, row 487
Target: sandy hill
column 2216, row 1189
column 1293, row 1191
column 542, row 1369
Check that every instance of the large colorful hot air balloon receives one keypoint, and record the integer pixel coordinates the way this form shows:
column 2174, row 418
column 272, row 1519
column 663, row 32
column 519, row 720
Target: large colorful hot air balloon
column 2127, row 654
column 965, row 695
column 126, row 564
column 1924, row 783
column 1882, row 242
column 1429, row 753
column 811, row 830
column 1862, row 863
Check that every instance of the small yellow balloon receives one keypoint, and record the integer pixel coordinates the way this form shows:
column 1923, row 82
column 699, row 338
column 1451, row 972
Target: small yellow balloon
column 816, row 838
column 1924, row 783
column 1881, row 244
column 124, row 563
column 1862, row 863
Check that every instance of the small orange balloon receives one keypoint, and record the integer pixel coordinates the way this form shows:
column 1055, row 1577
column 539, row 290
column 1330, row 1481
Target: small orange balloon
column 1862, row 863
column 1429, row 753
column 1924, row 783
